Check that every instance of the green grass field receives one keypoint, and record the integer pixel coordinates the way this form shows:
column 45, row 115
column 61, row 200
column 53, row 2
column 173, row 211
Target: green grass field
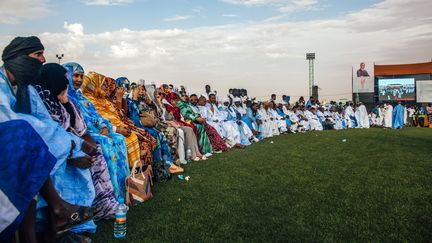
column 376, row 186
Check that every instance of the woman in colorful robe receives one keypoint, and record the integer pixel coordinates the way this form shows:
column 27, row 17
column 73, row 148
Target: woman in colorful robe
column 203, row 139
column 139, row 143
column 147, row 105
column 162, row 151
column 171, row 114
column 113, row 144
column 54, row 84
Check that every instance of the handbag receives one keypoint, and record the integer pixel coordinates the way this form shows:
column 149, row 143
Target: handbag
column 138, row 185
column 147, row 118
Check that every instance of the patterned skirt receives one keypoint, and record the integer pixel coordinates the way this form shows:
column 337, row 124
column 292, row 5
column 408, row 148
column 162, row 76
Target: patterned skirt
column 171, row 136
column 133, row 149
column 217, row 142
column 147, row 144
column 105, row 200
column 116, row 156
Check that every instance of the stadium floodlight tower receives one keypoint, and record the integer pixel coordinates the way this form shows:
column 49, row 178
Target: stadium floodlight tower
column 59, row 57
column 311, row 57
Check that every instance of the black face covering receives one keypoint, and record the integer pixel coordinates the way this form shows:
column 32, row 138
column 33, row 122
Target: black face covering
column 24, row 68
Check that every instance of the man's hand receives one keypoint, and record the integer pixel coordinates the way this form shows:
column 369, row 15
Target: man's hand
column 200, row 120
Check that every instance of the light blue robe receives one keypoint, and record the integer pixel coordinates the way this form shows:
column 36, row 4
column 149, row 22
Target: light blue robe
column 282, row 114
column 244, row 117
column 245, row 132
column 113, row 149
column 74, row 185
column 398, row 117
column 259, row 127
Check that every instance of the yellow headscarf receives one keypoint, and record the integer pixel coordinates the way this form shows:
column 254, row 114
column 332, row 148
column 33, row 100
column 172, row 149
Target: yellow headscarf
column 92, row 88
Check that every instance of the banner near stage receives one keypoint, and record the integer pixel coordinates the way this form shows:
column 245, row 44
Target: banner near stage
column 363, row 78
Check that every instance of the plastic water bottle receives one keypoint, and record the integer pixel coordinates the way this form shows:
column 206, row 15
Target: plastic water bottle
column 189, row 154
column 120, row 219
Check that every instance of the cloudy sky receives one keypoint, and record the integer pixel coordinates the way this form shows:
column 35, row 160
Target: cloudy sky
column 255, row 44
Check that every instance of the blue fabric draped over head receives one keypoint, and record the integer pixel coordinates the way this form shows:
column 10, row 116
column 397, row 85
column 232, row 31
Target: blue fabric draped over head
column 91, row 116
column 72, row 68
column 123, row 82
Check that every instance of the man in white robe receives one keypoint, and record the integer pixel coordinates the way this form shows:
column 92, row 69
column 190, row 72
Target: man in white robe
column 208, row 92
column 379, row 119
column 349, row 111
column 272, row 121
column 388, row 115
column 210, row 112
column 363, row 120
column 267, row 129
column 285, row 107
column 314, row 123
column 337, row 118
column 303, row 121
column 280, row 121
column 211, row 119
column 294, row 120
column 241, row 132
column 322, row 114
column 240, row 108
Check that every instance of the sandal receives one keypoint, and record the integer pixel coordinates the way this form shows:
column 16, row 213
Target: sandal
column 80, row 216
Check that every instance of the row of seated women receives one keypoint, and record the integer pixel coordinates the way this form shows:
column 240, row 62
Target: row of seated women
column 124, row 125
column 88, row 131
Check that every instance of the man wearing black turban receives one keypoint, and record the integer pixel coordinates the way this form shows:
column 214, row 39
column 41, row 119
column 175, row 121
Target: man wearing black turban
column 23, row 59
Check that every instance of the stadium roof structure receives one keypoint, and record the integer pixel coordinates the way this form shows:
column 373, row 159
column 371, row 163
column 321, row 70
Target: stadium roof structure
column 403, row 69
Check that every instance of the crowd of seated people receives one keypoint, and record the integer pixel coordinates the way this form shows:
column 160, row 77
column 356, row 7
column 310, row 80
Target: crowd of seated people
column 70, row 137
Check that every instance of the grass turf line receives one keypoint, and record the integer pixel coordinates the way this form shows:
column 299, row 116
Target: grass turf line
column 376, row 186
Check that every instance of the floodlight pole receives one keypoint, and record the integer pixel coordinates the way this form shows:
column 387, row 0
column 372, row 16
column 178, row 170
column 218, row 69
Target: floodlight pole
column 59, row 57
column 311, row 57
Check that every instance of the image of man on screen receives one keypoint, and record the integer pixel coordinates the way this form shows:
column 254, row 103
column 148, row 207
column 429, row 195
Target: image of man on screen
column 362, row 71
